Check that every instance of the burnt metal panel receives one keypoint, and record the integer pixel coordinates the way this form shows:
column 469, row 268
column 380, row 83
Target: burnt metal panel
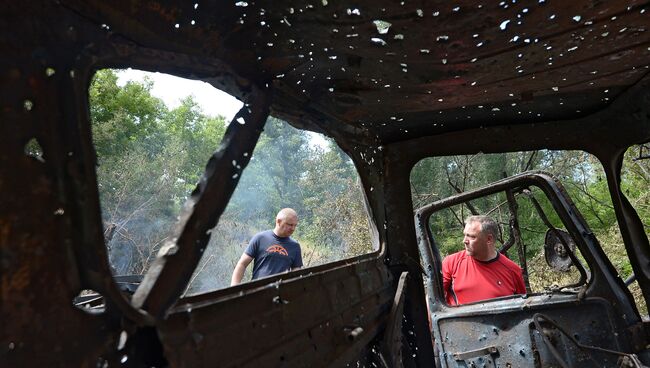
column 295, row 322
column 443, row 66
column 516, row 341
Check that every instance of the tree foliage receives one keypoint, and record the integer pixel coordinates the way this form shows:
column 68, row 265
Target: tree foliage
column 149, row 157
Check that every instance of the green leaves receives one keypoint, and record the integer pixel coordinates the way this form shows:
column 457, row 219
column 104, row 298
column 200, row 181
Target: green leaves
column 150, row 158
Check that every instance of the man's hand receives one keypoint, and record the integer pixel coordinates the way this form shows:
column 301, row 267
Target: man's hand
column 238, row 273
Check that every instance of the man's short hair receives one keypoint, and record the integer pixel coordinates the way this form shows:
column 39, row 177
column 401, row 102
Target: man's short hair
column 488, row 225
column 286, row 212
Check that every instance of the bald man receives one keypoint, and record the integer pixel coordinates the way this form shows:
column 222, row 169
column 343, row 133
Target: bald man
column 273, row 250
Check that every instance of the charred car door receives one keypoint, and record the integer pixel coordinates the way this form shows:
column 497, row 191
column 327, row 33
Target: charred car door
column 576, row 311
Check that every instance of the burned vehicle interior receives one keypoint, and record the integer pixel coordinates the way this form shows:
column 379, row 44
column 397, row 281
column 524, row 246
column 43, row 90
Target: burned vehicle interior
column 392, row 83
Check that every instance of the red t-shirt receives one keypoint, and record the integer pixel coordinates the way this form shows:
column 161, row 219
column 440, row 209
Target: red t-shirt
column 467, row 280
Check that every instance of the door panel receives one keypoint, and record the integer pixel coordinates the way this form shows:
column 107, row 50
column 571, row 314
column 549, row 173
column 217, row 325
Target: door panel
column 323, row 319
column 508, row 337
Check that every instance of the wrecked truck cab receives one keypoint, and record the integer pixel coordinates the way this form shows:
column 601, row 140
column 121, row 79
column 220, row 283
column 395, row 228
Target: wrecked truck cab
column 592, row 319
column 391, row 82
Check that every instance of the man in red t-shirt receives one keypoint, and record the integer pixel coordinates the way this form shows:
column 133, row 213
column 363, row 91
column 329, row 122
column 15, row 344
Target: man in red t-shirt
column 480, row 272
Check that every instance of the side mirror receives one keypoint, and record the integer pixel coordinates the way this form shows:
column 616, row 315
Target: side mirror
column 557, row 246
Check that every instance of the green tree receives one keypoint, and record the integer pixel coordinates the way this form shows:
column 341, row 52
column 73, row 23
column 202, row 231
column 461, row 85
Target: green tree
column 121, row 116
column 149, row 160
column 334, row 196
column 272, row 179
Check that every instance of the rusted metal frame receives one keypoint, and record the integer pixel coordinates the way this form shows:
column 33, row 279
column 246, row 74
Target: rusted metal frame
column 152, row 24
column 95, row 272
column 180, row 9
column 171, row 270
column 81, row 190
column 392, row 342
column 350, row 138
column 43, row 202
column 604, row 280
column 574, row 259
column 511, row 239
column 632, row 228
column 429, row 257
column 516, row 235
column 350, row 341
column 125, row 53
column 633, row 112
column 432, row 261
column 75, row 166
column 402, row 248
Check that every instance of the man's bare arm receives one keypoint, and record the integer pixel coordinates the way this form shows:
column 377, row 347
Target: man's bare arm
column 238, row 273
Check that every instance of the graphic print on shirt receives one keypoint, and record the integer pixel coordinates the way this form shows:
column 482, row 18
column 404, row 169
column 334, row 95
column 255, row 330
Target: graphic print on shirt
column 276, row 248
column 273, row 254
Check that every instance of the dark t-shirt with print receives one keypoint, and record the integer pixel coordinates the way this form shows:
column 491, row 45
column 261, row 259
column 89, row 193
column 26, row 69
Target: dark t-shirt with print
column 273, row 254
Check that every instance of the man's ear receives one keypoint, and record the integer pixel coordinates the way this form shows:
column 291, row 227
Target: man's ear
column 490, row 238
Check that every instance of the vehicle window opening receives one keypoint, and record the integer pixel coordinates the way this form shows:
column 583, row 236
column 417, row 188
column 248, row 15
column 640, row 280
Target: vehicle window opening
column 152, row 150
column 538, row 244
